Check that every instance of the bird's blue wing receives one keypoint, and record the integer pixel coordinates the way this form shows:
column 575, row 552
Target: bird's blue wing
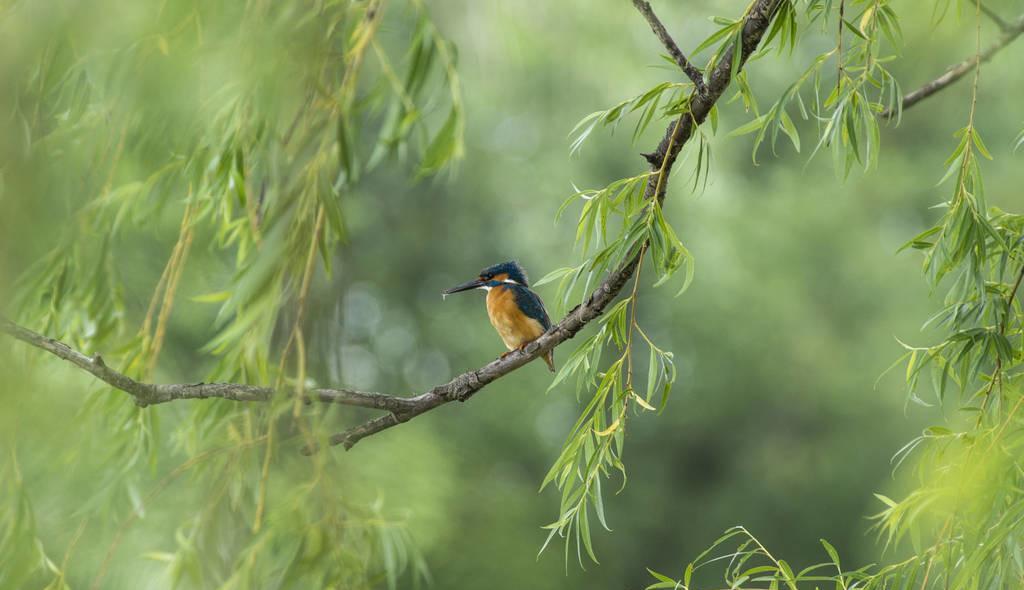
column 532, row 306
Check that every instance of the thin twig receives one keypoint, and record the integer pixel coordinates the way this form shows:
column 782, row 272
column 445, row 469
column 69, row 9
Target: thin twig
column 632, row 322
column 957, row 71
column 997, row 372
column 674, row 52
column 175, row 266
column 1009, row 301
column 839, row 45
column 994, row 17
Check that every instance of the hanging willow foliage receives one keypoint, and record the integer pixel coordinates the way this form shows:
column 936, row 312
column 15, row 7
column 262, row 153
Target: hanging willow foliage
column 250, row 122
column 963, row 526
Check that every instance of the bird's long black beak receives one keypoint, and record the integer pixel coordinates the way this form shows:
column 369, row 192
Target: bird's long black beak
column 464, row 287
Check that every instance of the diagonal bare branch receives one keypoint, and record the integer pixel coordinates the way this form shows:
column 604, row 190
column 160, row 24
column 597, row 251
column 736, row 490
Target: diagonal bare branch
column 673, row 50
column 957, row 71
column 147, row 394
column 401, row 409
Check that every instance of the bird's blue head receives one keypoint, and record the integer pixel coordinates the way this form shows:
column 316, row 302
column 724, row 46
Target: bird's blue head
column 506, row 271
column 492, row 276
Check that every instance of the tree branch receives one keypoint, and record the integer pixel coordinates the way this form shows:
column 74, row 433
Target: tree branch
column 673, row 50
column 461, row 388
column 994, row 16
column 955, row 72
column 147, row 394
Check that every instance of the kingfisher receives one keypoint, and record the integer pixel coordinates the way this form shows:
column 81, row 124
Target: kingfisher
column 516, row 312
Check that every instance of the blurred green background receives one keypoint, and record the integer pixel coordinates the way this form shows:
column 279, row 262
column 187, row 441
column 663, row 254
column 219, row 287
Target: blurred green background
column 775, row 422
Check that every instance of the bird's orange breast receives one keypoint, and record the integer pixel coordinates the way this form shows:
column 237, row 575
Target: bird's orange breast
column 515, row 327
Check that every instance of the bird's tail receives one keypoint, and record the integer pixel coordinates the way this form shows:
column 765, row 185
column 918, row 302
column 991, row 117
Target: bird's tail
column 549, row 358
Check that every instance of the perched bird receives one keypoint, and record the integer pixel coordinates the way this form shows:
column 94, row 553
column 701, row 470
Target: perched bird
column 516, row 312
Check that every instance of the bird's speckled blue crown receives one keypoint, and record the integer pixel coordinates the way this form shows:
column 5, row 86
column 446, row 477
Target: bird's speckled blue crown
column 511, row 268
